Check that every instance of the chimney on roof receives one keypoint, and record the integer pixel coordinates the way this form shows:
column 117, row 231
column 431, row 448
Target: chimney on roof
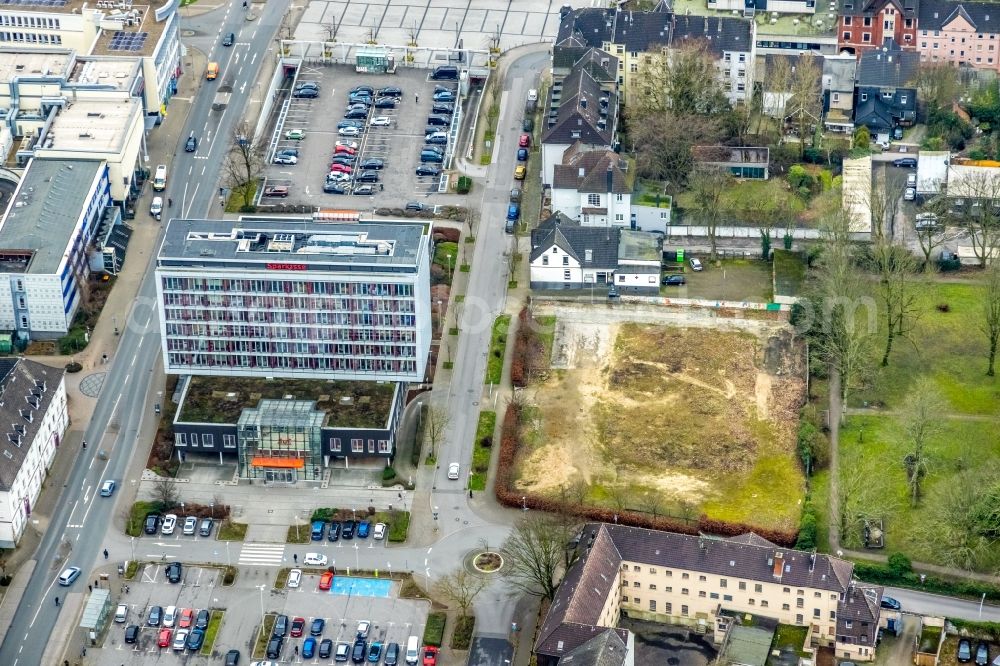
column 812, row 561
column 582, row 172
column 611, row 180
column 583, row 102
column 779, row 562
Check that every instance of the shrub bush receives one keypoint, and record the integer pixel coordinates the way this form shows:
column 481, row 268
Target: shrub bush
column 463, row 185
column 434, row 631
column 388, row 474
column 73, row 367
column 461, row 637
column 446, row 234
column 807, row 527
column 882, row 574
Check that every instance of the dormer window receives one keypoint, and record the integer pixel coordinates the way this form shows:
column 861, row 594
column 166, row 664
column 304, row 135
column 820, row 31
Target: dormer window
column 26, row 415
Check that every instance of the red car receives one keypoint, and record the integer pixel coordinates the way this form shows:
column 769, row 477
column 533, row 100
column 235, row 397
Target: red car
column 524, row 141
column 430, row 655
column 297, row 626
column 326, row 581
column 344, row 150
column 341, row 168
column 186, row 618
column 165, row 637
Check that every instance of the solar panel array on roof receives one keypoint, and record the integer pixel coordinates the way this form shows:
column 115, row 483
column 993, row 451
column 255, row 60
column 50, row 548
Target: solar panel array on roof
column 35, row 3
column 126, row 41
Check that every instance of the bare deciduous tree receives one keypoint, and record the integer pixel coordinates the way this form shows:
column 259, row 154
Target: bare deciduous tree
column 438, row 420
column 979, row 214
column 244, row 164
column 536, row 555
column 165, row 492
column 897, row 290
column 708, row 184
column 805, row 104
column 460, row 588
column 991, row 313
column 862, row 496
column 883, row 201
column 922, row 421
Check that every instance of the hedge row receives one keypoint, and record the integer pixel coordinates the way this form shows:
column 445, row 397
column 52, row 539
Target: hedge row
column 529, row 349
column 883, row 574
column 508, row 495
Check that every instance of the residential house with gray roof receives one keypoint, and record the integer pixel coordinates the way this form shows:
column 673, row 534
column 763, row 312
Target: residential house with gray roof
column 701, row 580
column 886, row 95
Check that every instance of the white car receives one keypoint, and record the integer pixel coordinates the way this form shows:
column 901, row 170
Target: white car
column 380, row 120
column 315, row 559
column 286, row 159
column 263, row 663
column 294, row 577
column 910, row 194
column 696, row 264
column 379, row 531
column 453, row 471
column 169, row 523
column 349, row 131
column 190, row 525
column 169, row 616
column 363, row 628
column 180, row 639
column 121, row 613
column 338, row 177
column 156, row 206
column 353, row 145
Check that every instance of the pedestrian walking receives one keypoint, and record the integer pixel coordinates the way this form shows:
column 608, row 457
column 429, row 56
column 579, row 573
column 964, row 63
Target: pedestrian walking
column 470, row 493
column 105, row 553
column 90, row 588
column 295, row 556
column 127, row 589
column 97, row 583
column 416, row 97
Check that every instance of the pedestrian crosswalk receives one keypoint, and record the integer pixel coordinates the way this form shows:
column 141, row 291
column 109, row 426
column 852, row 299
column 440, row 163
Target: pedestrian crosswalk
column 265, row 554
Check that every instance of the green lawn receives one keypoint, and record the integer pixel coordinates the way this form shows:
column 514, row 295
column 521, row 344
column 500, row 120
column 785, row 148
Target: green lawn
column 137, row 517
column 230, row 531
column 442, row 251
column 498, row 345
column 947, row 346
column 211, row 631
column 546, row 332
column 298, row 534
column 481, row 454
column 790, row 637
column 398, row 522
column 434, row 630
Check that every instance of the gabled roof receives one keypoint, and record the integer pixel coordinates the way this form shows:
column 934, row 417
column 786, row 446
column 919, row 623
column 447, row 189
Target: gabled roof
column 874, row 113
column 578, row 115
column 720, row 33
column 565, row 233
column 637, row 31
column 909, row 8
column 588, row 171
column 586, row 27
column 607, row 648
column 643, row 31
column 26, row 390
column 599, row 64
column 861, row 605
column 888, row 69
column 937, row 14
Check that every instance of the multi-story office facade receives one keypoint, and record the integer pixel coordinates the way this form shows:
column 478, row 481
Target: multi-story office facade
column 302, row 299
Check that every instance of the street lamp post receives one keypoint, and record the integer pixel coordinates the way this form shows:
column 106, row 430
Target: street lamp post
column 260, row 588
column 449, row 266
column 524, row 503
column 132, row 547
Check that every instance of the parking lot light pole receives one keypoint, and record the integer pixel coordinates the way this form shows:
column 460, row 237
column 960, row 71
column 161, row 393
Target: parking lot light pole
column 260, row 588
column 132, row 547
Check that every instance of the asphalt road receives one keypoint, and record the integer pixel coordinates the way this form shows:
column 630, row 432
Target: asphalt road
column 922, row 603
column 76, row 532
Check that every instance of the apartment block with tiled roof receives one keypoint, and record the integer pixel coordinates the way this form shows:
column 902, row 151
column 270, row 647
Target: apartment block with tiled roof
column 960, row 33
column 866, row 24
column 682, row 579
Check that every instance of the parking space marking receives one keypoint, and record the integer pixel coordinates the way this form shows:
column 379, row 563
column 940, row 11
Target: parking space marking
column 266, row 554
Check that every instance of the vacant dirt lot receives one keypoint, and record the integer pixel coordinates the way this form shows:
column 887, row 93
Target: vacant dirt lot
column 670, row 418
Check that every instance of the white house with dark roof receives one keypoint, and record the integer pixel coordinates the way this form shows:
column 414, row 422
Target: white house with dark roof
column 699, row 580
column 594, row 187
column 33, row 420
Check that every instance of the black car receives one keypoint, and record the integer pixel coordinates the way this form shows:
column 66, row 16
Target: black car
column 434, row 149
column 890, row 603
column 528, row 125
column 416, row 205
column 274, row 647
column 195, row 639
column 355, row 114
column 155, row 616
column 431, row 156
column 344, row 159
column 367, row 177
column 131, row 633
column 306, row 93
column 152, row 523
column 674, row 280
column 350, row 123
column 982, row 654
column 335, row 188
column 358, row 653
column 426, row 170
column 389, row 91
column 348, row 531
column 363, row 90
column 907, row 162
column 325, row 648
column 232, row 658
column 441, row 121
column 385, row 103
column 316, row 628
column 373, row 163
column 334, row 532
column 191, row 145
column 443, row 107
column 364, row 190
column 230, row 39
column 391, row 654
column 444, row 72
column 174, row 572
column 201, row 620
column 444, row 96
column 280, row 626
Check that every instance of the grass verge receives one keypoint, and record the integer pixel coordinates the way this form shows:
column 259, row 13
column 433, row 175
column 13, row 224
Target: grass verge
column 498, row 344
column 282, row 578
column 434, row 631
column 298, row 534
column 411, row 590
column 481, row 454
column 137, row 516
column 461, row 637
column 398, row 522
column 260, row 643
column 210, row 633
column 230, row 531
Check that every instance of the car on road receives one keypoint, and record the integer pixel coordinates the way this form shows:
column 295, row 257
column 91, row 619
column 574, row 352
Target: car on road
column 674, row 281
column 336, row 188
column 274, row 647
column 348, row 529
column 349, row 131
column 430, row 655
column 295, row 134
column 363, row 528
column 325, row 648
column 186, row 618
column 364, row 190
column 155, row 209
column 280, row 158
column 174, row 571
column 154, row 616
column 229, row 39
column 385, row 103
column 280, row 626
column 515, row 195
column 513, row 214
column 108, row 487
column 294, row 578
column 375, row 652
column 528, row 125
column 696, row 264
column 190, row 525
column 165, row 637
column 964, row 650
column 152, row 523
column 522, row 154
column 201, row 621
column 391, row 654
column 317, row 626
column 905, row 162
column 343, row 652
column 315, row 559
column 195, row 639
column 298, row 625
column 890, row 603
column 276, row 191
column 426, row 170
column 383, row 121
column 121, row 613
column 364, row 626
column 326, row 581
column 982, row 654
column 69, row 575
column 132, row 633
column 169, row 523
column 520, row 171
column 379, row 532
column 180, row 639
column 358, row 653
column 306, row 93
column 191, row 144
column 309, row 648
column 232, row 658
column 453, row 470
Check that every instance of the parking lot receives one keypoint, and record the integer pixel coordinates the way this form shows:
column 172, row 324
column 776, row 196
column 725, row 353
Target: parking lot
column 245, row 603
column 397, row 143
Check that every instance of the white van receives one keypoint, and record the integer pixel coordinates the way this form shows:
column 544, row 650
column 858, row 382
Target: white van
column 156, row 206
column 169, row 615
column 412, row 649
column 160, row 178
